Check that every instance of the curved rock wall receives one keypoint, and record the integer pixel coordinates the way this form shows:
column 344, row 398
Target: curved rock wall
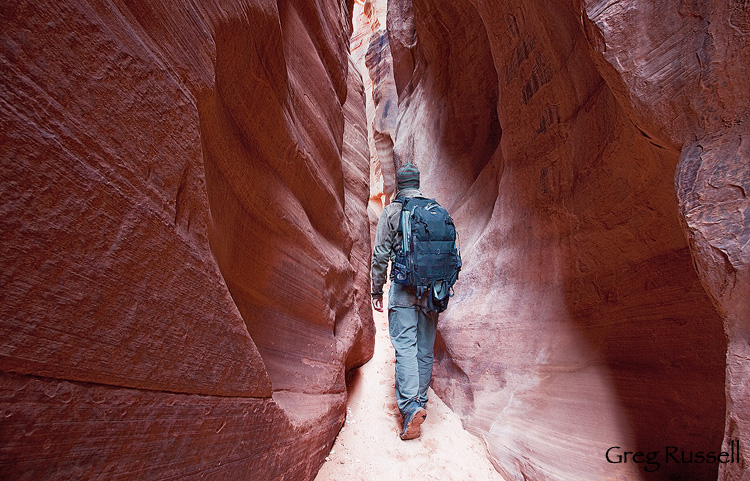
column 594, row 156
column 372, row 56
column 692, row 91
column 184, row 238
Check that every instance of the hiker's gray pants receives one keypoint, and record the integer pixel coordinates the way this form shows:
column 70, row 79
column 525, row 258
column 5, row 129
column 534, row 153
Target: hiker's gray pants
column 412, row 331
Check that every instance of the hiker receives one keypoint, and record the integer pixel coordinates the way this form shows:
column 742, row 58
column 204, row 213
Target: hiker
column 412, row 320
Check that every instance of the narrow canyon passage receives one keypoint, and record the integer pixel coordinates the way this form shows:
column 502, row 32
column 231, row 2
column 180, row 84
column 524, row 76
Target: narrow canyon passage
column 188, row 191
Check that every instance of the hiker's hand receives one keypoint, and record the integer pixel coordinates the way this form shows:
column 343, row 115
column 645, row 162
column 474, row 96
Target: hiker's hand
column 377, row 303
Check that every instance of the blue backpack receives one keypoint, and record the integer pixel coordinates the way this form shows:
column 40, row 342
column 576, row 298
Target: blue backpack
column 429, row 260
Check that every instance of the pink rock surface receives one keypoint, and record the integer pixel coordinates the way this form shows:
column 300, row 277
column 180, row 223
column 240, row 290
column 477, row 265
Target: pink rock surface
column 184, row 238
column 595, row 159
column 371, row 54
column 690, row 87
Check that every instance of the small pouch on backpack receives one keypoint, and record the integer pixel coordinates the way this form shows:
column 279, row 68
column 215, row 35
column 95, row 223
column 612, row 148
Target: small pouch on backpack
column 439, row 296
column 400, row 273
column 440, row 290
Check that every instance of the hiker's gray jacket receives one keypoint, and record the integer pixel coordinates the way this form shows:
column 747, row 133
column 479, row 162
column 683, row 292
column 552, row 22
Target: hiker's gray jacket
column 387, row 241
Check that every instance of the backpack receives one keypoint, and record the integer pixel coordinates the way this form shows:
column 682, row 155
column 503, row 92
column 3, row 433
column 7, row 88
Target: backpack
column 429, row 260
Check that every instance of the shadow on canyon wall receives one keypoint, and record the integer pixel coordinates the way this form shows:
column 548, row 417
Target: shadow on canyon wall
column 186, row 241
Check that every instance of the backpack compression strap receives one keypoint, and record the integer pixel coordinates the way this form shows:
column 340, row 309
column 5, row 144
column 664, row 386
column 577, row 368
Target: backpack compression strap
column 405, row 228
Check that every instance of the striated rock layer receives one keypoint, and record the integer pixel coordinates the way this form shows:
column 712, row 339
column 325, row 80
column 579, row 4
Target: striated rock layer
column 371, row 54
column 184, row 238
column 595, row 158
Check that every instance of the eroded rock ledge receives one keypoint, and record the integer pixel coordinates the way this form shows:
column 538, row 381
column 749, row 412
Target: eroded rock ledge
column 185, row 239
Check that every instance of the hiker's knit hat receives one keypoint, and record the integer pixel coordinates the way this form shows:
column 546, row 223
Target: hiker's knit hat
column 407, row 177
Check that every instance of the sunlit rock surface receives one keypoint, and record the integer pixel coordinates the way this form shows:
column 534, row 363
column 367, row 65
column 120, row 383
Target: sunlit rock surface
column 595, row 158
column 371, row 55
column 184, row 238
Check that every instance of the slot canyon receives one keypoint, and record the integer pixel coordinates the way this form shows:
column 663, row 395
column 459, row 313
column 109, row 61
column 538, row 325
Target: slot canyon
column 190, row 189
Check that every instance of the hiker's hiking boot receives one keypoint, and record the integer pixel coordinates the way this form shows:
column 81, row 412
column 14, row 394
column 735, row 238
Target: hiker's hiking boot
column 412, row 421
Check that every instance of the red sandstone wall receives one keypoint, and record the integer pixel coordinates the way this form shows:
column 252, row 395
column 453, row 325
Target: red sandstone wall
column 693, row 93
column 371, row 55
column 595, row 158
column 184, row 238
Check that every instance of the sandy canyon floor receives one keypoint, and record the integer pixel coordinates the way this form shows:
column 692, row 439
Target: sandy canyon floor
column 368, row 447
